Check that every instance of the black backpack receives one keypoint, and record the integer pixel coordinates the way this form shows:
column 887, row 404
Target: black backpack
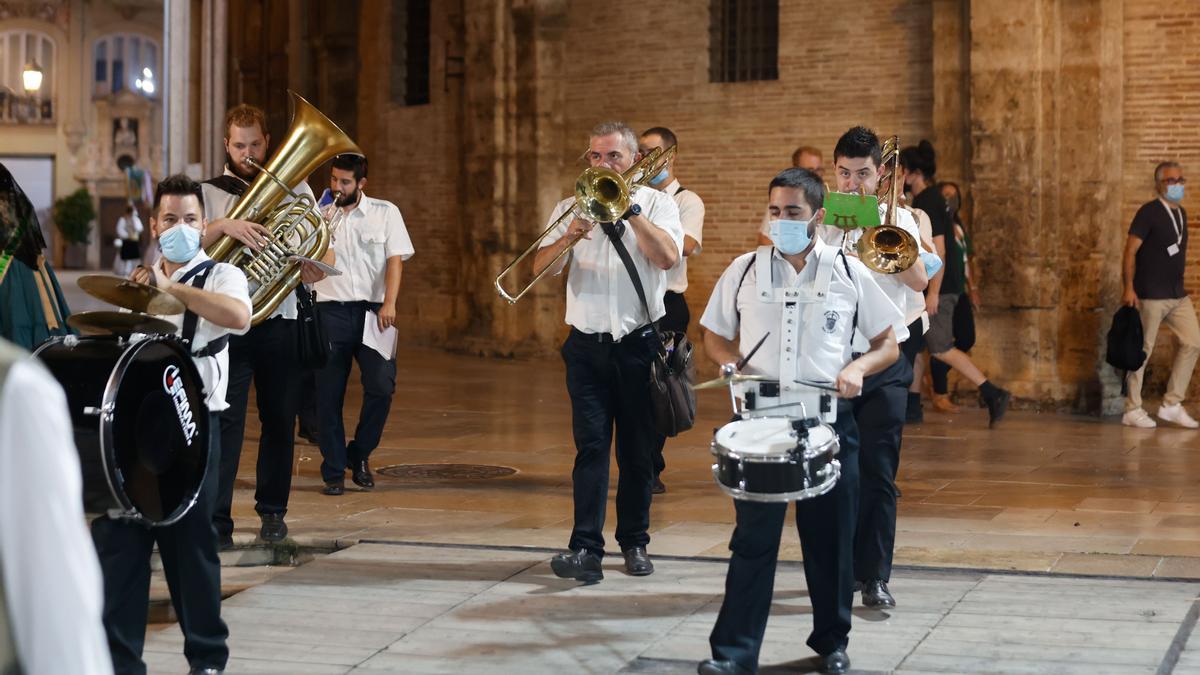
column 1125, row 340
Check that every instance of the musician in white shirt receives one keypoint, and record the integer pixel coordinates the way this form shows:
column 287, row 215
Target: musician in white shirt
column 608, row 355
column 267, row 355
column 691, row 218
column 371, row 244
column 129, row 248
column 218, row 306
column 747, row 307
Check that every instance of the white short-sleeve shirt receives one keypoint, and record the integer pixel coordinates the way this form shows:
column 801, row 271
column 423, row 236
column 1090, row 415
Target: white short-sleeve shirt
column 218, row 202
column 600, row 294
column 367, row 236
column 895, row 289
column 214, row 370
column 735, row 312
column 691, row 219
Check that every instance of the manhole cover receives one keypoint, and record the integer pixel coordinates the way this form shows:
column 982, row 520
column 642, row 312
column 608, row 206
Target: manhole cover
column 447, row 472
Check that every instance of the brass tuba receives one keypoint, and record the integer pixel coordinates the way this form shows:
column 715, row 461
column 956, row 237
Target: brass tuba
column 296, row 227
column 601, row 196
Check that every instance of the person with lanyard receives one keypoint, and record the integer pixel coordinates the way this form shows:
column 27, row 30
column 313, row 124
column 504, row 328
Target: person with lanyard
column 1152, row 272
column 881, row 409
column 755, row 298
column 946, row 288
column 358, row 310
column 691, row 218
column 616, row 281
column 50, row 585
column 267, row 354
column 218, row 306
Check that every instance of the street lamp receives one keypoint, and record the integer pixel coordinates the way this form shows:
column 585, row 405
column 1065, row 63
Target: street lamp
column 31, row 77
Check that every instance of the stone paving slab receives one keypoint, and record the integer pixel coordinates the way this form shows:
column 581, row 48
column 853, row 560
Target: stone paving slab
column 405, row 608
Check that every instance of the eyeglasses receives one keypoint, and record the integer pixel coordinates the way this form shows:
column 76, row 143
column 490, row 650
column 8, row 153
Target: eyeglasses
column 1175, row 181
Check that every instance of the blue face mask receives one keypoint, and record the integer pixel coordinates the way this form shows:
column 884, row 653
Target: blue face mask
column 932, row 263
column 1175, row 193
column 180, row 243
column 657, row 180
column 790, row 236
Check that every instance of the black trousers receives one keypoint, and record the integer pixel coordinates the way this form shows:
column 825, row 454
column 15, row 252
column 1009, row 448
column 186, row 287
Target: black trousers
column 879, row 412
column 344, row 326
column 193, row 570
column 609, row 387
column 677, row 319
column 267, row 355
column 826, row 526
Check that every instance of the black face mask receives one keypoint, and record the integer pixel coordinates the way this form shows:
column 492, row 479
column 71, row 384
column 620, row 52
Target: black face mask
column 952, row 205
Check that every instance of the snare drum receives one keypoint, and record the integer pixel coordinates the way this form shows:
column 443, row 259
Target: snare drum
column 765, row 460
column 140, row 423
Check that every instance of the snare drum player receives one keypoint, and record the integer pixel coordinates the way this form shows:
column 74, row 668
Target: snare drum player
column 805, row 288
column 218, row 305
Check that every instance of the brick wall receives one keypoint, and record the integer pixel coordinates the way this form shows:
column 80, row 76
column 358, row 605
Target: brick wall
column 1162, row 121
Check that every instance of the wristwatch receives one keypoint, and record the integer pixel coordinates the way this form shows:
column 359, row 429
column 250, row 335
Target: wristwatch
column 634, row 210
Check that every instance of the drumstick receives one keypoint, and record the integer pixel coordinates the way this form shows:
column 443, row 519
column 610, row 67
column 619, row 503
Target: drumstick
column 747, row 357
column 816, row 385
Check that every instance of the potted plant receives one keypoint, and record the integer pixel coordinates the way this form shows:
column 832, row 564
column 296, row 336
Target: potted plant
column 73, row 216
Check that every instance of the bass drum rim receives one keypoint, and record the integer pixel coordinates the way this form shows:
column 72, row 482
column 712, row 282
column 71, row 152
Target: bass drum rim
column 106, row 421
column 734, row 461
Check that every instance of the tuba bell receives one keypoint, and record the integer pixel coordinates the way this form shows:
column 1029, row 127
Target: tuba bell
column 296, row 227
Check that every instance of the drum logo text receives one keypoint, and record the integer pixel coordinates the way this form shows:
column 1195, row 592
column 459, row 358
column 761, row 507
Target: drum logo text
column 173, row 385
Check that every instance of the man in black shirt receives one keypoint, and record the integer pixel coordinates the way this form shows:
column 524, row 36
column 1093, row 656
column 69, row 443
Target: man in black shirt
column 1152, row 271
column 946, row 287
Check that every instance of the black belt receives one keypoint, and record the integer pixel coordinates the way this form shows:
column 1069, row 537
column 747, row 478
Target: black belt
column 213, row 347
column 607, row 338
column 352, row 304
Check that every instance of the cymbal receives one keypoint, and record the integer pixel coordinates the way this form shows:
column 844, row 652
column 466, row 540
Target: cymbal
column 118, row 323
column 734, row 379
column 130, row 294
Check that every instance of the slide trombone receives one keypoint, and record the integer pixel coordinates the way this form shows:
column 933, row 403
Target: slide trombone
column 601, row 196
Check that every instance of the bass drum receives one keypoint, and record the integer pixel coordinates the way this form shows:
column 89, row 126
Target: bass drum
column 140, row 423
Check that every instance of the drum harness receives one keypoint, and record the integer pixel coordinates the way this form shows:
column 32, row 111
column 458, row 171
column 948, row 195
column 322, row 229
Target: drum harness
column 793, row 341
column 198, row 275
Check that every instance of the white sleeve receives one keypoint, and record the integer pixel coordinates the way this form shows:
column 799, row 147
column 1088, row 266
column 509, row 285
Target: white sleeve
column 137, row 223
column 691, row 217
column 229, row 280
column 876, row 311
column 122, row 230
column 397, row 242
column 663, row 213
column 560, row 231
column 721, row 315
column 51, row 574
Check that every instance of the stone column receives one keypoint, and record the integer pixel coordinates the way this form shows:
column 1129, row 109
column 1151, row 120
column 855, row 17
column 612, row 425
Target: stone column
column 951, row 88
column 1046, row 113
column 213, row 71
column 176, row 32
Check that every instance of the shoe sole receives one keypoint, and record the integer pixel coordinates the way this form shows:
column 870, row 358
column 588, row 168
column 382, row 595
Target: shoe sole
column 565, row 571
column 641, row 573
column 879, row 605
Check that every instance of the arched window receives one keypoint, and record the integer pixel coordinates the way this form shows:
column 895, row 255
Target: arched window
column 125, row 61
column 19, row 48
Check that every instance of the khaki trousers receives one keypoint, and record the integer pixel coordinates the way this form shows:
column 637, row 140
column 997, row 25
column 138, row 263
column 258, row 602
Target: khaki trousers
column 1180, row 316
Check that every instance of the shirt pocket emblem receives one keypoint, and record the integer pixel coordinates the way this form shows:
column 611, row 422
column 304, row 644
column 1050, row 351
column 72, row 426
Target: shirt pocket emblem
column 831, row 321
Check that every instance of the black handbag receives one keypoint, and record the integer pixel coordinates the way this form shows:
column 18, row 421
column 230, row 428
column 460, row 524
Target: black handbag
column 963, row 323
column 672, row 372
column 312, row 346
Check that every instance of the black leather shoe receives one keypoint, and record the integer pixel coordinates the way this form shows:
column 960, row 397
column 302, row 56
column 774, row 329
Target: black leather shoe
column 722, row 667
column 581, row 565
column 658, row 487
column 360, row 473
column 637, row 562
column 835, row 662
column 224, row 542
column 273, row 528
column 205, row 671
column 997, row 405
column 876, row 596
column 309, row 435
column 335, row 488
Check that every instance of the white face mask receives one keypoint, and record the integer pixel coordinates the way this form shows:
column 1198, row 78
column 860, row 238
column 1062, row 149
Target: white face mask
column 790, row 236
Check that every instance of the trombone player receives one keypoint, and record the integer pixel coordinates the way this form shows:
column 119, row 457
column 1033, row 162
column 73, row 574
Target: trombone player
column 608, row 354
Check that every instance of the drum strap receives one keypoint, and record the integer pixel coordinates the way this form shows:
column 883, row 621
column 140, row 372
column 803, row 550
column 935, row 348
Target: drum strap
column 198, row 275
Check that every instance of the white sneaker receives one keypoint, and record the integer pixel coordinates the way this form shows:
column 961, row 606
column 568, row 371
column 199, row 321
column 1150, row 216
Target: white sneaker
column 1139, row 418
column 1176, row 414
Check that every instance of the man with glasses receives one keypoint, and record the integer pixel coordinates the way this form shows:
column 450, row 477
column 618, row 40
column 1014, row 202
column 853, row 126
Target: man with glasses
column 1152, row 271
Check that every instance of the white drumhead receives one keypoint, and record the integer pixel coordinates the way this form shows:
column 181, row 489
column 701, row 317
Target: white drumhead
column 768, row 436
